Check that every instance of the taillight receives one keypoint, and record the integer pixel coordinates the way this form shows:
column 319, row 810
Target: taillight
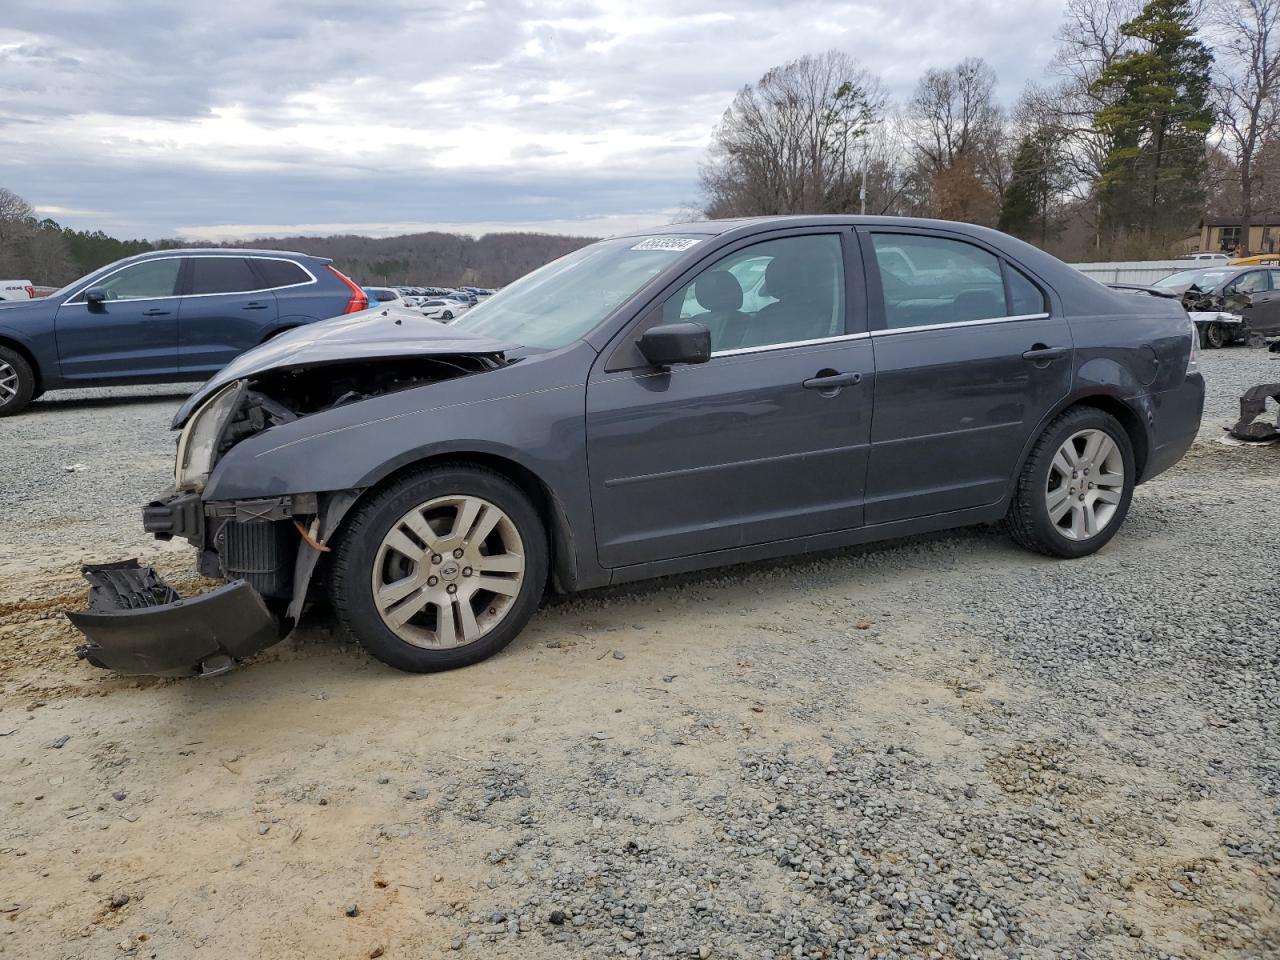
column 1193, row 358
column 31, row 293
column 358, row 300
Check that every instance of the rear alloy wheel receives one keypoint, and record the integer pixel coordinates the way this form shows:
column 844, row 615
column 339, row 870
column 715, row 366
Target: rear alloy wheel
column 447, row 315
column 1215, row 336
column 1076, row 485
column 440, row 570
column 17, row 382
column 1085, row 485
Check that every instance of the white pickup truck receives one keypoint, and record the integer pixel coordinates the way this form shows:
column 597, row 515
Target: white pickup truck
column 17, row 290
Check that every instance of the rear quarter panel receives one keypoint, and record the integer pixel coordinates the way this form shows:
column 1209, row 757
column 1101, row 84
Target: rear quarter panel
column 325, row 298
column 1140, row 356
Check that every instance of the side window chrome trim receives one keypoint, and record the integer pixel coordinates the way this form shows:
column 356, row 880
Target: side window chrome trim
column 890, row 331
column 765, row 347
column 240, row 293
column 73, row 302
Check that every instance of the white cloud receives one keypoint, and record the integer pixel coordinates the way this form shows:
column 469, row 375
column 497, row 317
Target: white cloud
column 603, row 226
column 136, row 108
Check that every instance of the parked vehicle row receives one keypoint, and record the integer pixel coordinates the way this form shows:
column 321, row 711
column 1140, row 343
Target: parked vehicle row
column 165, row 316
column 705, row 394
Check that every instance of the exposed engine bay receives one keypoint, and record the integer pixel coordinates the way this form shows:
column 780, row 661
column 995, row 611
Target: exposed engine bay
column 280, row 396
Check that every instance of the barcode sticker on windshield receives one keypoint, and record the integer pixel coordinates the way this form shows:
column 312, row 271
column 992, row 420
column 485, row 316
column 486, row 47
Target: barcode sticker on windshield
column 671, row 244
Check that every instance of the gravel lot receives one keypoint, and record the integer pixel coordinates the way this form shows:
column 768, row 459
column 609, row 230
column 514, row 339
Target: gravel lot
column 944, row 747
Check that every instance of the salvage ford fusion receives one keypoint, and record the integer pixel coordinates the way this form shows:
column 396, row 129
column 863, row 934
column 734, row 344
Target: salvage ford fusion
column 704, row 394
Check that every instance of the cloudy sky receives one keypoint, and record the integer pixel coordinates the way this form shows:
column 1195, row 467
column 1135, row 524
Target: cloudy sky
column 234, row 119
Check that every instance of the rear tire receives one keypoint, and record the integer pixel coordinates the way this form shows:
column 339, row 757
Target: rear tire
column 1069, row 501
column 447, row 316
column 17, row 382
column 396, row 559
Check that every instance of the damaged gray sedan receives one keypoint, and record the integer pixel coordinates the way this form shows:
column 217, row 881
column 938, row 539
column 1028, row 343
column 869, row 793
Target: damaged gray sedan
column 700, row 395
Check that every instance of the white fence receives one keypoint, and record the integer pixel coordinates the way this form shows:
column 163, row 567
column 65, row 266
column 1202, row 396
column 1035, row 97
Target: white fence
column 1139, row 271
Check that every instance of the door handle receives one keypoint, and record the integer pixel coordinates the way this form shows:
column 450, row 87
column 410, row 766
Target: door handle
column 1040, row 352
column 254, row 305
column 832, row 381
column 155, row 313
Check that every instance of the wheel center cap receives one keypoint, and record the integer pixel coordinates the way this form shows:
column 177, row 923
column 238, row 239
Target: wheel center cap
column 449, row 570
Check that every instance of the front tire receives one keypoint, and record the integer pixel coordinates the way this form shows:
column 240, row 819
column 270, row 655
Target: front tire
column 441, row 569
column 447, row 316
column 1076, row 486
column 17, row 382
column 1215, row 336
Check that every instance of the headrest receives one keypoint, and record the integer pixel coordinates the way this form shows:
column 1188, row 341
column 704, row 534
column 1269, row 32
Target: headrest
column 789, row 276
column 718, row 291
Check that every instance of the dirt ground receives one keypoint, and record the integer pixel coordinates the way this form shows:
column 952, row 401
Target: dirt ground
column 667, row 739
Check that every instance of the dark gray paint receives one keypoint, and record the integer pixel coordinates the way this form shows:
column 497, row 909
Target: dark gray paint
column 652, row 472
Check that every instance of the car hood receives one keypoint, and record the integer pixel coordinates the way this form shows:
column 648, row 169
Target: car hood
column 368, row 335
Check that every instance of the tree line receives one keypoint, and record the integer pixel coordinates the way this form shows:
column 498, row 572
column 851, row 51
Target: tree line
column 49, row 254
column 1150, row 115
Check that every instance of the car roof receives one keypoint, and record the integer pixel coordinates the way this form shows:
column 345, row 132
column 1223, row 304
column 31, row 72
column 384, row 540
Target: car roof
column 224, row 252
column 747, row 225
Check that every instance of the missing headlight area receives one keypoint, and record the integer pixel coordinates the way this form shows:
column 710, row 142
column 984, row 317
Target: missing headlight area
column 279, row 396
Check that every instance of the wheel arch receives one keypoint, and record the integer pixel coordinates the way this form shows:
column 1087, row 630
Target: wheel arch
column 274, row 332
column 563, row 564
column 1123, row 410
column 17, row 346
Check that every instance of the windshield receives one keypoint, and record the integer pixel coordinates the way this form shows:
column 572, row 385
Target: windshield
column 1204, row 279
column 564, row 300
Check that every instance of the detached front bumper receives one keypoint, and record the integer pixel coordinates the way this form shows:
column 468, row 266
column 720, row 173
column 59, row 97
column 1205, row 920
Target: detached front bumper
column 138, row 624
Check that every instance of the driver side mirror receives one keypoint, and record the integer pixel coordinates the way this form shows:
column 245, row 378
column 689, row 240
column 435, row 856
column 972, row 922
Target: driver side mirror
column 95, row 296
column 671, row 343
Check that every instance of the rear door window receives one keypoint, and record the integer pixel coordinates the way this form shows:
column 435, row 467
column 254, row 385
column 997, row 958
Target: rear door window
column 280, row 273
column 222, row 275
column 932, row 280
column 1025, row 298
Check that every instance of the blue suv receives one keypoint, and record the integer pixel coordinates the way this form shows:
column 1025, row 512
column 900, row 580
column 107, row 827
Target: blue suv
column 162, row 317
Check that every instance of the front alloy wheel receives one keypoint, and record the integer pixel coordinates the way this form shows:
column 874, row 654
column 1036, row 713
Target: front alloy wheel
column 448, row 572
column 441, row 569
column 17, row 382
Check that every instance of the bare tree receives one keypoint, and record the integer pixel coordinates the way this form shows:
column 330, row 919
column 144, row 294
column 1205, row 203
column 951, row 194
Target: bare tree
column 954, row 112
column 955, row 127
column 1245, row 90
column 1089, row 42
column 17, row 219
column 791, row 142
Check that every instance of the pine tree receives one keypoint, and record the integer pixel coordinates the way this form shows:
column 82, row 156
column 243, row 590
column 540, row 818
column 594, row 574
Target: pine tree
column 1151, row 184
column 1027, row 210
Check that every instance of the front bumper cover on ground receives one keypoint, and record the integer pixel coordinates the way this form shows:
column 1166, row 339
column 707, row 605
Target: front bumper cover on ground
column 138, row 624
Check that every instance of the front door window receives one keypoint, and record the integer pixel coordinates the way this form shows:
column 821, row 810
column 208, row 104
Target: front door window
column 143, row 281
column 781, row 291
